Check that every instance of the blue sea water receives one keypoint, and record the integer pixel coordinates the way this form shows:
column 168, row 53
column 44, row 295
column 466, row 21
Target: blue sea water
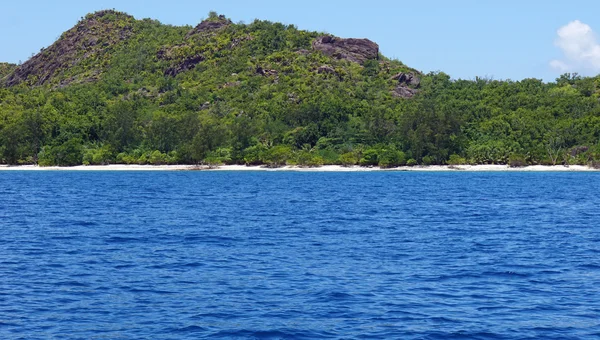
column 269, row 255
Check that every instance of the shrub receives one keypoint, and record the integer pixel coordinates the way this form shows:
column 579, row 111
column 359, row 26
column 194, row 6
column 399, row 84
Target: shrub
column 278, row 156
column 456, row 160
column 391, row 158
column 157, row 158
column 124, row 158
column 69, row 153
column 88, row 157
column 143, row 159
column 517, row 161
column 103, row 156
column 411, row 162
column 316, row 161
column 348, row 159
column 98, row 156
column 173, row 157
column 370, row 157
column 218, row 157
column 254, row 155
column 329, row 156
column 303, row 157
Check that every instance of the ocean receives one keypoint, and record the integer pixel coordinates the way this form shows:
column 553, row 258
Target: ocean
column 294, row 255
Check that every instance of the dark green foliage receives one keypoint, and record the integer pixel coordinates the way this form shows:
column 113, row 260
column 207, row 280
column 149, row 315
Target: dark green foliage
column 391, row 157
column 456, row 160
column 369, row 158
column 517, row 161
column 411, row 162
column 140, row 92
column 68, row 153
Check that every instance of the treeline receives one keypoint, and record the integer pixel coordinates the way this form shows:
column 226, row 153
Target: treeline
column 258, row 97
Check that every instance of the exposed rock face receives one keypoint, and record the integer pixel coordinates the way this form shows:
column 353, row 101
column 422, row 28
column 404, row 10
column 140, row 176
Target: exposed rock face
column 326, row 69
column 408, row 84
column 238, row 41
column 354, row 50
column 91, row 37
column 205, row 106
column 210, row 25
column 409, row 79
column 266, row 72
column 178, row 64
column 404, row 92
column 168, row 53
column 578, row 150
column 186, row 64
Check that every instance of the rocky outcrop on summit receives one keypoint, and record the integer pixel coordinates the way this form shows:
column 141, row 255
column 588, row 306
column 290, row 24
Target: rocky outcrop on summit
column 408, row 84
column 354, row 50
column 91, row 37
column 210, row 25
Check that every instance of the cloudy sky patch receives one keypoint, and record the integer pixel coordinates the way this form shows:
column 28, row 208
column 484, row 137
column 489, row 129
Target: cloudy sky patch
column 580, row 48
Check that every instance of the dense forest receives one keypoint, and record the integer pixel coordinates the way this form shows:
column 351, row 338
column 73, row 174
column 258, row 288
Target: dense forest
column 119, row 90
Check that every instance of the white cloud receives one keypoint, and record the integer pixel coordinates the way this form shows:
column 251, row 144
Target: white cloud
column 559, row 65
column 580, row 47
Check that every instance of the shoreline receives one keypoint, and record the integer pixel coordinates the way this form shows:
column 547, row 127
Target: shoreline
column 324, row 168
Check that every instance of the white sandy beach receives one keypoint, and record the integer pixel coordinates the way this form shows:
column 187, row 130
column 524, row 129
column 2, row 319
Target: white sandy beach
column 326, row 168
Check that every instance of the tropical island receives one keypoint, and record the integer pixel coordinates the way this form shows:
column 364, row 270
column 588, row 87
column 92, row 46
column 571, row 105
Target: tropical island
column 117, row 90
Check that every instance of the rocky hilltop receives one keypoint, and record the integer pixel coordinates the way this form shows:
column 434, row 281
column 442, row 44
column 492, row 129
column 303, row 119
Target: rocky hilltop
column 210, row 25
column 88, row 43
column 354, row 50
column 87, row 52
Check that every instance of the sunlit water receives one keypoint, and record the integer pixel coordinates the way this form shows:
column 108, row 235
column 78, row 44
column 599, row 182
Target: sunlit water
column 173, row 255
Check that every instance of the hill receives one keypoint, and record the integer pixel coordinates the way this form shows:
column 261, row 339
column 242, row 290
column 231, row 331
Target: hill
column 79, row 54
column 117, row 89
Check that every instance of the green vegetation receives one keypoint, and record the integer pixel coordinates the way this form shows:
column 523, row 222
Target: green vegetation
column 6, row 68
column 119, row 90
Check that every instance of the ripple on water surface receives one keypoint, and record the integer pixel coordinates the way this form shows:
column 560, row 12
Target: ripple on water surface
column 175, row 255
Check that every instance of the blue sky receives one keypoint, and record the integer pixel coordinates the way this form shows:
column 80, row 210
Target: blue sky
column 465, row 38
